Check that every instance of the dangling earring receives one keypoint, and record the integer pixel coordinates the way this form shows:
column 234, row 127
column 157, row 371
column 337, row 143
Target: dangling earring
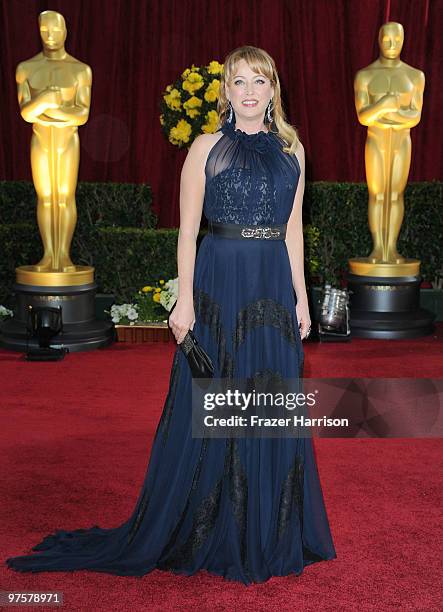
column 268, row 111
column 231, row 112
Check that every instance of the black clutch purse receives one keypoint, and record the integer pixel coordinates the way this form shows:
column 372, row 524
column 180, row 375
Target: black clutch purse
column 199, row 361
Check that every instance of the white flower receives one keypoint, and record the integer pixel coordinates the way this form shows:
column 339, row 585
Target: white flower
column 132, row 314
column 120, row 311
column 5, row 312
column 169, row 296
column 173, row 287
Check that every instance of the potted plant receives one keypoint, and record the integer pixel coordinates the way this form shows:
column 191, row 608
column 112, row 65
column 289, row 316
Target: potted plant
column 145, row 318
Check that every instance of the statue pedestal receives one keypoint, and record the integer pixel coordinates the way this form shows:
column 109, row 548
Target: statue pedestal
column 29, row 275
column 81, row 330
column 362, row 266
column 387, row 308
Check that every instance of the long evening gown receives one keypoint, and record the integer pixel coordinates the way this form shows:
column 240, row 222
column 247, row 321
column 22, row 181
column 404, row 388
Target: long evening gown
column 245, row 509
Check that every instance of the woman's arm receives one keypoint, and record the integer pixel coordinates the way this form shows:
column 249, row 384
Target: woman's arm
column 294, row 233
column 295, row 246
column 192, row 190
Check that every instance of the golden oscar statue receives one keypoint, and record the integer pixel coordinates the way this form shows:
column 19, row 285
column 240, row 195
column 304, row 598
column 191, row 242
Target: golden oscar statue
column 54, row 93
column 388, row 100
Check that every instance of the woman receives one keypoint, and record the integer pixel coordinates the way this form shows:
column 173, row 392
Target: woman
column 246, row 509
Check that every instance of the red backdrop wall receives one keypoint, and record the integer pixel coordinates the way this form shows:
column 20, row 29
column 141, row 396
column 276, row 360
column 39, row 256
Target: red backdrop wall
column 137, row 47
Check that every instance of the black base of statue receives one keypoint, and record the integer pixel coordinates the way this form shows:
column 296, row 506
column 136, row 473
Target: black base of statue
column 388, row 307
column 81, row 330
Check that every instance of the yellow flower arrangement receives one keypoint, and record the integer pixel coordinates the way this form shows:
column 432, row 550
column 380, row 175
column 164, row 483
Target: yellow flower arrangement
column 192, row 105
column 189, row 105
column 193, row 82
column 180, row 133
column 212, row 91
column 152, row 302
column 211, row 125
column 173, row 99
column 215, row 68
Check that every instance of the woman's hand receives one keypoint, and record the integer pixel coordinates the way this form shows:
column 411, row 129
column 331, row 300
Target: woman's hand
column 304, row 320
column 182, row 318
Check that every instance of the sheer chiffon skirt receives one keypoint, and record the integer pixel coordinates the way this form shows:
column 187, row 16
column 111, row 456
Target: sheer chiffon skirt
column 245, row 509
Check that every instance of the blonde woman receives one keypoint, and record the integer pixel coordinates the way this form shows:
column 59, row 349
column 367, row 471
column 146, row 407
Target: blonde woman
column 239, row 507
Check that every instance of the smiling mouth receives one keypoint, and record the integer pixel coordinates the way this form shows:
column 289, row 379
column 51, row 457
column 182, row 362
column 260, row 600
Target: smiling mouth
column 250, row 103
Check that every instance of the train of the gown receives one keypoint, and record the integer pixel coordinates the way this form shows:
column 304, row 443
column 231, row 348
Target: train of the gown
column 245, row 509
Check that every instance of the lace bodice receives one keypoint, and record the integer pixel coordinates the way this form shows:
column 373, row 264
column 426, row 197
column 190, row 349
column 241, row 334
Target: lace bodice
column 249, row 179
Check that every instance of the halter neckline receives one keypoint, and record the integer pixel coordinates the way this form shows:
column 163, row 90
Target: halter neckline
column 258, row 141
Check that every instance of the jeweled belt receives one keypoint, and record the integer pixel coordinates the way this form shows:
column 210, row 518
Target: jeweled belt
column 236, row 230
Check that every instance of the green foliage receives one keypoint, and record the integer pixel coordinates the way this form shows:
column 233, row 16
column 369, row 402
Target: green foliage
column 129, row 258
column 339, row 212
column 147, row 309
column 311, row 239
column 98, row 204
column 116, row 233
column 148, row 301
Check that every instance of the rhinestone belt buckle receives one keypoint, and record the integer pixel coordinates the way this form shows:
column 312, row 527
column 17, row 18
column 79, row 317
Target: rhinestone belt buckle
column 259, row 232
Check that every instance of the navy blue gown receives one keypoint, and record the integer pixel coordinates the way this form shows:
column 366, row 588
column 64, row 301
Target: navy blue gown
column 245, row 509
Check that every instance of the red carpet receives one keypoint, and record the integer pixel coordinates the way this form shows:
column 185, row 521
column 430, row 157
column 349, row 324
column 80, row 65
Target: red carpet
column 74, row 448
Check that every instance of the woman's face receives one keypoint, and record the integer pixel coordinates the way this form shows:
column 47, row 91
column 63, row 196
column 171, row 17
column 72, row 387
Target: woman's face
column 249, row 92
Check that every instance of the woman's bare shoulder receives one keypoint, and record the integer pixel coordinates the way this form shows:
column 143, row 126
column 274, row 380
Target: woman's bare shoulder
column 204, row 142
column 200, row 148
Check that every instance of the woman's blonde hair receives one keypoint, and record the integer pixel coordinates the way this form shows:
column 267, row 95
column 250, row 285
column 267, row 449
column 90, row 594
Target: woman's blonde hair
column 261, row 62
